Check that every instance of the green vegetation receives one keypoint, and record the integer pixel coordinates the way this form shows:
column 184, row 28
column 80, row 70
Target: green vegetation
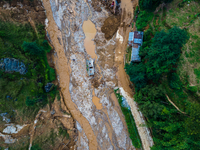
column 47, row 140
column 128, row 55
column 132, row 129
column 151, row 4
column 143, row 19
column 170, row 66
column 25, row 94
column 63, row 132
column 35, row 147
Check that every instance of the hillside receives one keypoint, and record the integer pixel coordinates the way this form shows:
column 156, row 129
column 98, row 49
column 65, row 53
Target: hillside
column 32, row 111
column 167, row 79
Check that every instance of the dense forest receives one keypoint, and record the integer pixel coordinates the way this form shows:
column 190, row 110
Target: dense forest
column 161, row 79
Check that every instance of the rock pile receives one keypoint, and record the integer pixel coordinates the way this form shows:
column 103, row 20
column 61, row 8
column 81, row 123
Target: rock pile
column 12, row 65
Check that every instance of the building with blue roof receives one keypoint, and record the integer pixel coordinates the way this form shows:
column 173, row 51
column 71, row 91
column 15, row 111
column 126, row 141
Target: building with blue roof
column 135, row 40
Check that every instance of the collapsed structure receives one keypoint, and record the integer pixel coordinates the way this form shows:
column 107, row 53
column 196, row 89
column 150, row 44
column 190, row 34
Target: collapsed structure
column 135, row 41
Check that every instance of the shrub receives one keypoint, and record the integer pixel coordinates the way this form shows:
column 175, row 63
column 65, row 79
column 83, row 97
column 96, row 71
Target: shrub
column 46, row 46
column 52, row 74
column 192, row 89
column 63, row 132
column 143, row 19
column 30, row 102
column 137, row 74
column 174, row 81
column 31, row 48
column 36, row 147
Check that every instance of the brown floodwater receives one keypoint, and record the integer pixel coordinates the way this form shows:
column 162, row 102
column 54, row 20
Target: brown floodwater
column 96, row 102
column 63, row 69
column 90, row 32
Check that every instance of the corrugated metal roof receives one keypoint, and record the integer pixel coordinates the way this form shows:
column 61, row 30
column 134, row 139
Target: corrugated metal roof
column 138, row 34
column 138, row 37
column 135, row 45
column 138, row 41
column 135, row 54
column 135, row 40
column 130, row 38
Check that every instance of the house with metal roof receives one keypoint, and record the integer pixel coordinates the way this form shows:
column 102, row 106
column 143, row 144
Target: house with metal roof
column 135, row 40
column 131, row 38
column 138, row 37
column 135, row 53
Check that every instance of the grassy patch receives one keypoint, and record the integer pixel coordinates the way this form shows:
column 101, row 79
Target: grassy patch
column 132, row 129
column 143, row 19
column 128, row 55
column 15, row 88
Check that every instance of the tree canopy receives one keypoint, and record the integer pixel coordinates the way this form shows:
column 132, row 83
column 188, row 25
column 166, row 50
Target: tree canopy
column 164, row 51
column 151, row 4
column 137, row 74
column 32, row 48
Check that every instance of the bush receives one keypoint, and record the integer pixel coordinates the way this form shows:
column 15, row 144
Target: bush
column 143, row 19
column 46, row 46
column 63, row 132
column 31, row 48
column 137, row 74
column 192, row 89
column 30, row 102
column 36, row 147
column 52, row 74
column 174, row 81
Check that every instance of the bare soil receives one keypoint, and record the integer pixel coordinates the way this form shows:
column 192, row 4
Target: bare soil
column 21, row 11
column 110, row 26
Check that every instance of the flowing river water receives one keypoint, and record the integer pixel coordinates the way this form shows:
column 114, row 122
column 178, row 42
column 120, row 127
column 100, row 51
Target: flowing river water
column 72, row 26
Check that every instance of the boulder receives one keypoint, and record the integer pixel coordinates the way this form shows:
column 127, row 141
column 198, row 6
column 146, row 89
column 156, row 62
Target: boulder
column 48, row 87
column 11, row 64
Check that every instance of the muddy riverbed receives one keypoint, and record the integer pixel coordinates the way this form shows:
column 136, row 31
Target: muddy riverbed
column 75, row 29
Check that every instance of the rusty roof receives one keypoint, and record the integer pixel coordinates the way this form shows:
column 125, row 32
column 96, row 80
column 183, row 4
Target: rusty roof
column 138, row 35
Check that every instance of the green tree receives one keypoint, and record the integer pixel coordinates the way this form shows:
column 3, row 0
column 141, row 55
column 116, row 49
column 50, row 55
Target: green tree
column 36, row 147
column 32, row 48
column 151, row 4
column 137, row 74
column 193, row 122
column 165, row 52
